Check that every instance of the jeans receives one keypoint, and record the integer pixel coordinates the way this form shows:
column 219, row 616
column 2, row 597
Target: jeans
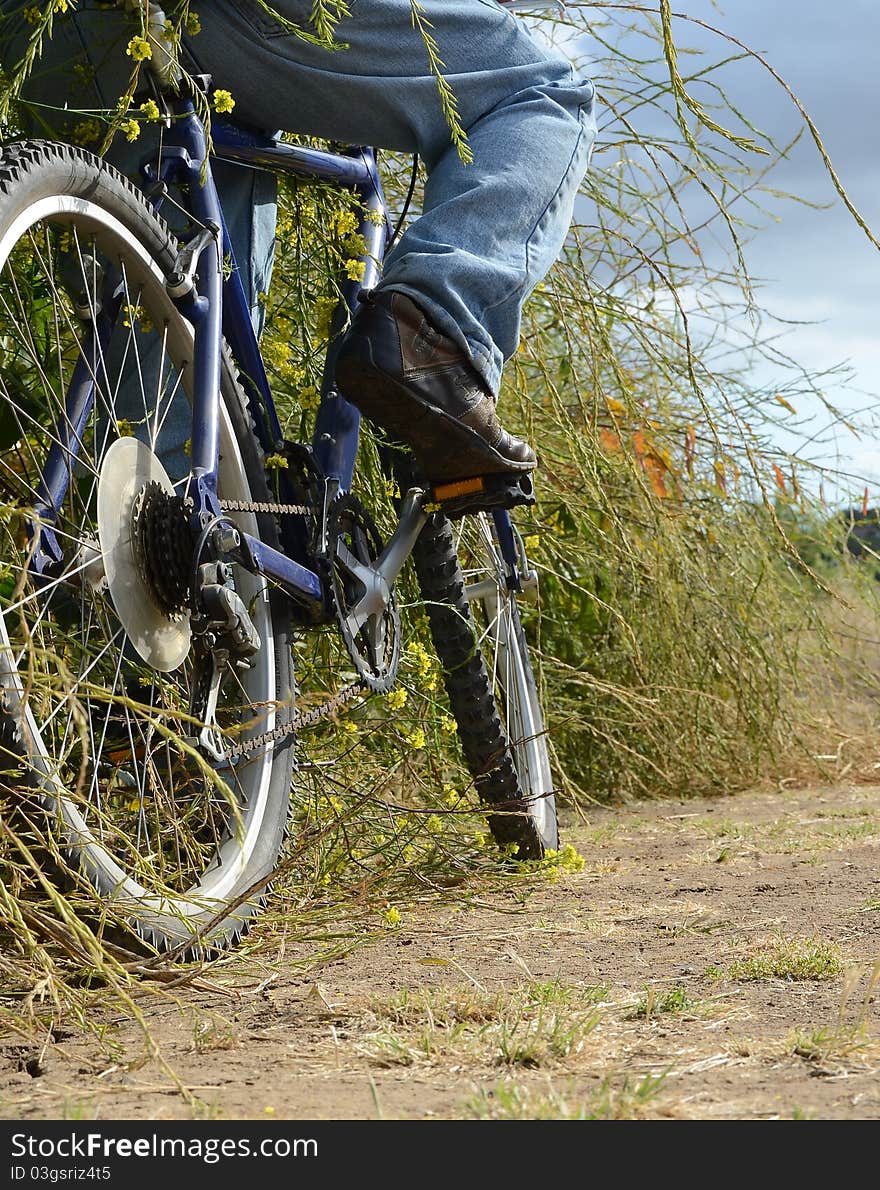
column 488, row 231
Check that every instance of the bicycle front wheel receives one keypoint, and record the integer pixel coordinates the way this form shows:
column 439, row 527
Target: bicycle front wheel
column 98, row 676
column 475, row 624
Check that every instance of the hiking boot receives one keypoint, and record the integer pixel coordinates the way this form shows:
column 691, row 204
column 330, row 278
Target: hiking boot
column 417, row 384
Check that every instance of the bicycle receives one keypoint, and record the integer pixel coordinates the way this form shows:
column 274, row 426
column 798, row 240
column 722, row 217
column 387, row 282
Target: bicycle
column 155, row 572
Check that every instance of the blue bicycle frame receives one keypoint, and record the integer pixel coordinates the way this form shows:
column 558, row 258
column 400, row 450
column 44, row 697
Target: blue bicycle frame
column 213, row 300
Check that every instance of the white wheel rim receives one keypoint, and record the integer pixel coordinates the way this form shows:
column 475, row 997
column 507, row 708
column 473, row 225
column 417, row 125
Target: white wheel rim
column 509, row 674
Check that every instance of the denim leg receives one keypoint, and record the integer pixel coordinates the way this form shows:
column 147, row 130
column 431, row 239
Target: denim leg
column 488, row 231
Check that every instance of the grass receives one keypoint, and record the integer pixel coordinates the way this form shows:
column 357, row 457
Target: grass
column 793, row 959
column 537, row 1024
column 789, row 835
column 675, row 1001
column 822, row 1045
column 211, row 1033
column 620, row 1098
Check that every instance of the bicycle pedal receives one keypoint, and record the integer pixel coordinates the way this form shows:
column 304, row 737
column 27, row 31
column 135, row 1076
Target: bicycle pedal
column 482, row 493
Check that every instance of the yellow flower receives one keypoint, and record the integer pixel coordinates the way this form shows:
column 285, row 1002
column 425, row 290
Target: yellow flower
column 150, row 110
column 354, row 245
column 434, row 825
column 532, row 542
column 193, row 24
column 309, row 398
column 274, row 353
column 32, row 14
column 392, row 916
column 223, row 101
column 131, row 128
column 324, row 308
column 130, row 314
column 450, row 796
column 350, row 727
column 416, row 739
column 407, row 853
column 124, row 428
column 448, row 724
column 420, row 658
column 570, row 858
column 276, row 463
column 346, row 223
column 377, row 218
column 139, row 49
column 355, row 269
column 60, row 6
column 85, row 132
column 396, row 699
column 136, row 314
column 555, row 862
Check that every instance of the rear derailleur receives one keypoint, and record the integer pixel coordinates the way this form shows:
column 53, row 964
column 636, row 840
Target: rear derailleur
column 223, row 635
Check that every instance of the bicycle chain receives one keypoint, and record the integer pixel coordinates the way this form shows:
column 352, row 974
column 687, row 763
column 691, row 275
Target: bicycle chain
column 265, row 506
column 306, row 718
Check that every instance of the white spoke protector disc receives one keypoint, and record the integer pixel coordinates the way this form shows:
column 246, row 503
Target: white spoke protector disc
column 127, row 467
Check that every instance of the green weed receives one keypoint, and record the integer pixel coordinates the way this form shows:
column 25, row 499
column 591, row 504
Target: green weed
column 613, row 1099
column 808, row 959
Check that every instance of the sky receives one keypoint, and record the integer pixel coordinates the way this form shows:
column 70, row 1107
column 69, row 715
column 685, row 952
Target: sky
column 816, row 266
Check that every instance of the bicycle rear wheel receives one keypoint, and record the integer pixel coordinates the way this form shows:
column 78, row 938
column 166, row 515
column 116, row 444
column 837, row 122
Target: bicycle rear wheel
column 478, row 634
column 95, row 718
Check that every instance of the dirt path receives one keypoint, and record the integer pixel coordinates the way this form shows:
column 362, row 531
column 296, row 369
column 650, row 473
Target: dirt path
column 711, row 959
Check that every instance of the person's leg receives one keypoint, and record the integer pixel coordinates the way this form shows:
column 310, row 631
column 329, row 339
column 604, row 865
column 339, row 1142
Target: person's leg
column 490, row 230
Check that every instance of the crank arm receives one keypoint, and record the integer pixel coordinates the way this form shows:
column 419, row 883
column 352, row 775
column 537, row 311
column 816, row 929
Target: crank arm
column 378, row 579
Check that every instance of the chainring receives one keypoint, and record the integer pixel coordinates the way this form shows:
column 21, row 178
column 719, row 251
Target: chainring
column 367, row 613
